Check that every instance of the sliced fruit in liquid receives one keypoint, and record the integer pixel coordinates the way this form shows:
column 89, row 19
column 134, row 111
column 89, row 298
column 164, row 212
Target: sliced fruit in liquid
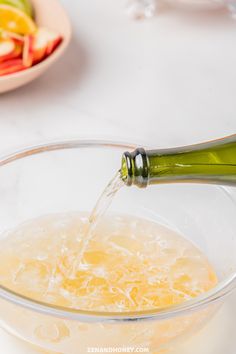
column 130, row 264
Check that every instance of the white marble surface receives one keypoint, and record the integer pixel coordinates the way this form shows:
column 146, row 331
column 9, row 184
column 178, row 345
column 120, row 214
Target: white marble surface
column 167, row 81
column 170, row 80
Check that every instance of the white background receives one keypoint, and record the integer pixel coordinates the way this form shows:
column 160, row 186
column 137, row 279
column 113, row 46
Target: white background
column 164, row 82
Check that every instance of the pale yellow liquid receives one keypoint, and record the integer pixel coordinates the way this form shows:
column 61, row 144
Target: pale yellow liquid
column 129, row 264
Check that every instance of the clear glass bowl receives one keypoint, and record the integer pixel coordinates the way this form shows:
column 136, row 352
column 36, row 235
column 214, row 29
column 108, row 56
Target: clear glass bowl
column 69, row 176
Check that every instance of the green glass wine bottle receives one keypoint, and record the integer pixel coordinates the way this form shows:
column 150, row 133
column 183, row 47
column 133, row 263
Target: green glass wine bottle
column 211, row 162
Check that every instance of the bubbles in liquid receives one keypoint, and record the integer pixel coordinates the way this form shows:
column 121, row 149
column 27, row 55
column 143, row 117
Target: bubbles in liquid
column 129, row 264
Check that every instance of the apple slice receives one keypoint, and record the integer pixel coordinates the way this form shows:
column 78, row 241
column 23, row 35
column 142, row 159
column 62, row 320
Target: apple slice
column 28, row 50
column 39, row 46
column 11, row 66
column 17, row 38
column 7, row 48
column 46, row 41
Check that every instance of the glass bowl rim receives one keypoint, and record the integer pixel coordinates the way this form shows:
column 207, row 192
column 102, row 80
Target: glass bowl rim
column 222, row 289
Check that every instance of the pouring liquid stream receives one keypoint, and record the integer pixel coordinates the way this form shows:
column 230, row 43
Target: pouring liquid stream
column 102, row 205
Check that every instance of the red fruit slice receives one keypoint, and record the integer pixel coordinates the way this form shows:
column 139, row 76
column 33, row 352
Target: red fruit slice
column 52, row 45
column 40, row 45
column 11, row 66
column 46, row 42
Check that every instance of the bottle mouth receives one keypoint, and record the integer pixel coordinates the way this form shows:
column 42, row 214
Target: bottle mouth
column 134, row 169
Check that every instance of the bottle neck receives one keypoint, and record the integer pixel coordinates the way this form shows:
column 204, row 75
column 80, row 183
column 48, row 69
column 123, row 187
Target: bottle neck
column 213, row 162
column 135, row 168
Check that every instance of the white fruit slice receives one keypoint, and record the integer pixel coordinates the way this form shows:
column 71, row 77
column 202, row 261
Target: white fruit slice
column 39, row 46
column 45, row 43
column 7, row 47
column 17, row 38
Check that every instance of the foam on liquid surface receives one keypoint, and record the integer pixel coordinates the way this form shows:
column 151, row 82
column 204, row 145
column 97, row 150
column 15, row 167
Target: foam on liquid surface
column 129, row 264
